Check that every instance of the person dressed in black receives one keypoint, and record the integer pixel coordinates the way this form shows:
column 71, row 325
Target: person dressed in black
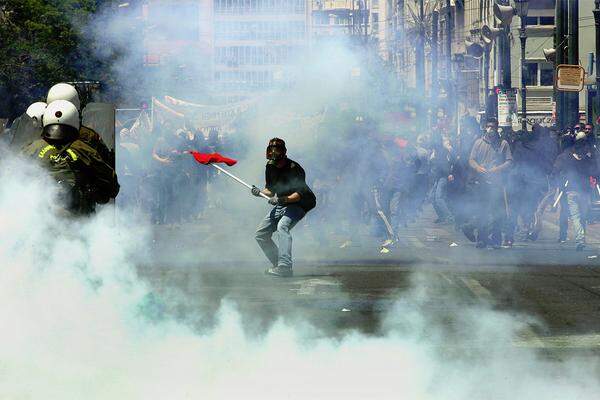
column 572, row 171
column 291, row 198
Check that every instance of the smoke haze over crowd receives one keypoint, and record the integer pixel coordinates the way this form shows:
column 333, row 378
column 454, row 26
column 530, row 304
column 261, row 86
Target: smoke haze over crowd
column 80, row 320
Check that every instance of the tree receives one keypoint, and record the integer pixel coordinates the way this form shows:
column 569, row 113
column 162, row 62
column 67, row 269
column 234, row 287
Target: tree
column 42, row 42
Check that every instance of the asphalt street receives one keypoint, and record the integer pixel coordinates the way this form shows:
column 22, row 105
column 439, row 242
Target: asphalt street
column 340, row 287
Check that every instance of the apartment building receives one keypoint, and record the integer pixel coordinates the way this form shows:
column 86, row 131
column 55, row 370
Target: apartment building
column 540, row 22
column 242, row 46
column 255, row 41
column 177, row 43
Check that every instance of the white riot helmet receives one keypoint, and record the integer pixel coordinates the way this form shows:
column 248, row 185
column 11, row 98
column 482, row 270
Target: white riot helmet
column 580, row 135
column 61, row 121
column 64, row 91
column 36, row 112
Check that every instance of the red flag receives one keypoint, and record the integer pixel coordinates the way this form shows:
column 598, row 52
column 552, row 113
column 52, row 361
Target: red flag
column 204, row 158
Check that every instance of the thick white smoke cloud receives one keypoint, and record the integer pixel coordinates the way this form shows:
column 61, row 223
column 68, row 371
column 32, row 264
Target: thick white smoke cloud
column 75, row 324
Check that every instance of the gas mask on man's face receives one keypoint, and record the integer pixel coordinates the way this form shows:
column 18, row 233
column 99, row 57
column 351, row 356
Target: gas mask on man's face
column 276, row 150
column 491, row 131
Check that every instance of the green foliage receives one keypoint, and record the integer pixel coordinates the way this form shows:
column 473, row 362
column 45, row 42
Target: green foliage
column 42, row 43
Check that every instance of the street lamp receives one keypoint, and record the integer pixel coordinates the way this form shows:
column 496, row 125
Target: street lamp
column 521, row 8
column 597, row 23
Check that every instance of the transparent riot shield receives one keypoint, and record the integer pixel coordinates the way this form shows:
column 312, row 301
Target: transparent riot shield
column 23, row 131
column 101, row 118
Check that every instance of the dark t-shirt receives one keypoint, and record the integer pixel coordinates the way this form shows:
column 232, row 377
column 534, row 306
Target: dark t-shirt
column 289, row 179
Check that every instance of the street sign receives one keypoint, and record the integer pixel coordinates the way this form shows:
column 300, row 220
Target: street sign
column 570, row 78
column 507, row 106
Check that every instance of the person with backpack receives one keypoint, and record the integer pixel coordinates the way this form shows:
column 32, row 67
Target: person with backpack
column 292, row 199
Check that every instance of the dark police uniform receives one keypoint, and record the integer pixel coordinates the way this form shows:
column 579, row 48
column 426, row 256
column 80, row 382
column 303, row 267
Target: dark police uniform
column 93, row 139
column 85, row 179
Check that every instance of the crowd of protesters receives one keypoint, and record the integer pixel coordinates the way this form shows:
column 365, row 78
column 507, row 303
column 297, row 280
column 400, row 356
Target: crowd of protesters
column 161, row 178
column 491, row 184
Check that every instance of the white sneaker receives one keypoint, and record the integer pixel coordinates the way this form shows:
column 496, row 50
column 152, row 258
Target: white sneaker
column 387, row 243
column 347, row 243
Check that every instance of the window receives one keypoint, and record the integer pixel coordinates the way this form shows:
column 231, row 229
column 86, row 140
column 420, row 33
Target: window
column 535, row 21
column 375, row 22
column 546, row 74
column 539, row 74
column 531, row 77
column 531, row 20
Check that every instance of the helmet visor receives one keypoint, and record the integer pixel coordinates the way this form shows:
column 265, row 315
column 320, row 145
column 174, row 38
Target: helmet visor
column 60, row 133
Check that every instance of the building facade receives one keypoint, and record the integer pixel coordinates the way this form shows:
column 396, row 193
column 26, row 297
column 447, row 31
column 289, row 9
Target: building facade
column 254, row 43
column 540, row 26
column 240, row 47
column 342, row 18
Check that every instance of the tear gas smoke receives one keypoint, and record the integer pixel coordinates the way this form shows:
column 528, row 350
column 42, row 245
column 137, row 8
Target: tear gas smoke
column 329, row 88
column 78, row 322
column 75, row 325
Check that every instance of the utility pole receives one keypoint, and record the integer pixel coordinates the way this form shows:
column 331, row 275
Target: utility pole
column 486, row 69
column 522, row 7
column 420, row 52
column 559, row 45
column 573, row 47
column 597, row 20
column 523, row 37
column 434, row 65
column 400, row 39
column 353, row 21
column 366, row 20
column 448, row 38
column 449, row 80
column 504, row 44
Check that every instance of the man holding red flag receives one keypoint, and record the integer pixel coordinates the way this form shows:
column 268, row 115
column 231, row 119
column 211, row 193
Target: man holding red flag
column 292, row 198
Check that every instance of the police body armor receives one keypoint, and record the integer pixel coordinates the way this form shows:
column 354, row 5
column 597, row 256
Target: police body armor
column 75, row 193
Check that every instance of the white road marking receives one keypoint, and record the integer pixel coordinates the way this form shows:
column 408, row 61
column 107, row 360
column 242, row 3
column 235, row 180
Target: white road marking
column 528, row 338
column 477, row 289
column 308, row 286
column 447, row 278
column 560, row 342
column 527, row 334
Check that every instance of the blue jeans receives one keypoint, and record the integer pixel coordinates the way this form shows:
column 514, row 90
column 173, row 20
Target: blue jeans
column 439, row 198
column 577, row 203
column 280, row 219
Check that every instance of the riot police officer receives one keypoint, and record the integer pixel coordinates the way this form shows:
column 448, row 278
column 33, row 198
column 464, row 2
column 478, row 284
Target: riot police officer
column 36, row 112
column 64, row 91
column 84, row 179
